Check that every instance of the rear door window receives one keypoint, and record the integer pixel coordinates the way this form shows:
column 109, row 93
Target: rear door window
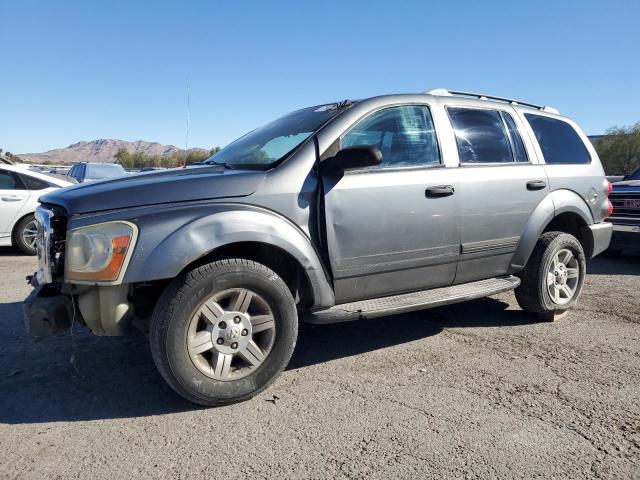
column 559, row 142
column 480, row 135
column 519, row 152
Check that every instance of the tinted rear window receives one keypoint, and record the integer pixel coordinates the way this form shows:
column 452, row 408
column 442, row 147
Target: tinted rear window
column 105, row 170
column 519, row 152
column 558, row 140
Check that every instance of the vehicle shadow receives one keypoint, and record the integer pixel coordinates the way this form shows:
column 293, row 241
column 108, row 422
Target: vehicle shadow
column 78, row 377
column 623, row 265
column 11, row 252
column 322, row 343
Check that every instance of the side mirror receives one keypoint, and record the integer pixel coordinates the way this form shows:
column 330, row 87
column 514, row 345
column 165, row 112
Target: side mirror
column 349, row 158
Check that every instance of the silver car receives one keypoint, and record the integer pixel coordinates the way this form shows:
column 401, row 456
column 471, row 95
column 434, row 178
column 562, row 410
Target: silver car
column 345, row 211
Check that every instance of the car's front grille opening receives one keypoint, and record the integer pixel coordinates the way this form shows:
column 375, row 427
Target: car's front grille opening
column 58, row 239
column 625, row 204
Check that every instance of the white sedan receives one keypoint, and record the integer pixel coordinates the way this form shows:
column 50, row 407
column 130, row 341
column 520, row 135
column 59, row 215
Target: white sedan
column 19, row 193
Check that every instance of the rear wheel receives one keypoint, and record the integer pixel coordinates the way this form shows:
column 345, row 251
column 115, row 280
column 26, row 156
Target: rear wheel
column 224, row 331
column 25, row 234
column 553, row 278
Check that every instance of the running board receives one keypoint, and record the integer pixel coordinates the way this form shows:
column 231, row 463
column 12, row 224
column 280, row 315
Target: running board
column 408, row 302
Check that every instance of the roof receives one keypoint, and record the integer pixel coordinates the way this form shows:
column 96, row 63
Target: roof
column 443, row 92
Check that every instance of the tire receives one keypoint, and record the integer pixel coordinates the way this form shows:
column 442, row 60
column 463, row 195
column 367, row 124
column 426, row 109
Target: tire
column 199, row 297
column 25, row 230
column 533, row 293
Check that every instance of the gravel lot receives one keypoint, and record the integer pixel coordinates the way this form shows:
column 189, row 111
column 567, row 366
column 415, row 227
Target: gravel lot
column 476, row 390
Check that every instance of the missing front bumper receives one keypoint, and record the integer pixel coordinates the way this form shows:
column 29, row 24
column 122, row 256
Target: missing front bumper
column 47, row 311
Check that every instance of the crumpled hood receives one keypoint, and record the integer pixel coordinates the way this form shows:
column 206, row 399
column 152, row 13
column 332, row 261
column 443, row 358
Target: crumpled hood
column 175, row 185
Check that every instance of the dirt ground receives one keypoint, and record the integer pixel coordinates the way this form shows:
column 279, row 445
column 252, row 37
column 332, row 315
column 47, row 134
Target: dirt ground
column 475, row 390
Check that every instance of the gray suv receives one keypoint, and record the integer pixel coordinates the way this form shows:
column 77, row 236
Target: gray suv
column 345, row 211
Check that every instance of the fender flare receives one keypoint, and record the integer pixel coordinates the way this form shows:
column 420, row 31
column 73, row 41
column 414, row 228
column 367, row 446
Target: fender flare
column 554, row 204
column 205, row 232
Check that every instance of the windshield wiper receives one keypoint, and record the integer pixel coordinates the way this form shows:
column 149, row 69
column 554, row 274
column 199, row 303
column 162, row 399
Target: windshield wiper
column 227, row 166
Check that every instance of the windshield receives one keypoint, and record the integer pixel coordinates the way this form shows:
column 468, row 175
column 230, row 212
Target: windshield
column 105, row 170
column 270, row 143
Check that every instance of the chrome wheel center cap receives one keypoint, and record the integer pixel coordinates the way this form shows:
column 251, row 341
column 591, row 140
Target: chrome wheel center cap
column 231, row 333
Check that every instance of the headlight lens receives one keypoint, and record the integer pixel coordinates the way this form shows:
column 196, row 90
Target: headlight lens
column 98, row 253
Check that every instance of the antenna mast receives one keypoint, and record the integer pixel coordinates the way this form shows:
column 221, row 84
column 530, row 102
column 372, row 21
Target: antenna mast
column 186, row 139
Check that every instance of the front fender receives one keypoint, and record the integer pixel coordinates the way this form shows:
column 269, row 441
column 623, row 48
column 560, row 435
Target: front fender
column 167, row 244
column 554, row 204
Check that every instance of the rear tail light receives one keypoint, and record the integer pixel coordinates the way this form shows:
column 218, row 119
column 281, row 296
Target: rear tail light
column 609, row 203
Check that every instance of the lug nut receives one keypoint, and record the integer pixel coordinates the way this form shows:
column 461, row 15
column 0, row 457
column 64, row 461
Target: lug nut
column 236, row 319
column 222, row 325
column 220, row 341
column 244, row 332
column 234, row 345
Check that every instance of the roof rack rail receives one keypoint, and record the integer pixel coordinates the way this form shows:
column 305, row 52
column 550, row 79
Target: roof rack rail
column 443, row 92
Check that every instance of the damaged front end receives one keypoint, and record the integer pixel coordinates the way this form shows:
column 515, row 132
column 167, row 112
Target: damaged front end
column 47, row 311
column 54, row 305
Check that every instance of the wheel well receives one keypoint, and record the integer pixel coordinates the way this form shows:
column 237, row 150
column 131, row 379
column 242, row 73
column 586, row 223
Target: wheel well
column 275, row 258
column 573, row 224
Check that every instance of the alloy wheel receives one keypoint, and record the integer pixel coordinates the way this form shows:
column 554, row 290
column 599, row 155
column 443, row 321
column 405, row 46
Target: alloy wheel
column 30, row 234
column 231, row 334
column 563, row 276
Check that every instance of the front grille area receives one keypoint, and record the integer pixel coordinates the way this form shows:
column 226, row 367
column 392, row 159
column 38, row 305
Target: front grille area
column 58, row 240
column 626, row 208
column 52, row 232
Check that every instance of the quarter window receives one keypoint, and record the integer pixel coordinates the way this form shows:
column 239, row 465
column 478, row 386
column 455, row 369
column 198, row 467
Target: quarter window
column 405, row 135
column 558, row 140
column 480, row 135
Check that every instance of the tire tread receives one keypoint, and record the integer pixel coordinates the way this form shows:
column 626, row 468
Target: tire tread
column 174, row 295
column 530, row 293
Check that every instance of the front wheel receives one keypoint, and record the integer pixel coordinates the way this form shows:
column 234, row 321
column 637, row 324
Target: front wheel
column 223, row 332
column 553, row 278
column 25, row 234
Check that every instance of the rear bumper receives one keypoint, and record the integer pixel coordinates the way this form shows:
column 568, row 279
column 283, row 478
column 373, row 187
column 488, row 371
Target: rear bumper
column 600, row 235
column 47, row 311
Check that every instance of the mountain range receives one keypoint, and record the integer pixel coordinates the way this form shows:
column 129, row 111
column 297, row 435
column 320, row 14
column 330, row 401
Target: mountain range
column 102, row 150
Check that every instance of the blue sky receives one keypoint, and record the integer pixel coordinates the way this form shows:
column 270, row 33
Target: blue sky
column 81, row 70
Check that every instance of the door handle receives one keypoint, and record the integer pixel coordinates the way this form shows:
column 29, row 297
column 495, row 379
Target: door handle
column 11, row 199
column 536, row 185
column 439, row 191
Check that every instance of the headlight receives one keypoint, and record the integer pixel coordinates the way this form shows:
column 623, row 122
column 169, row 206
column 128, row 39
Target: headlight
column 98, row 253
